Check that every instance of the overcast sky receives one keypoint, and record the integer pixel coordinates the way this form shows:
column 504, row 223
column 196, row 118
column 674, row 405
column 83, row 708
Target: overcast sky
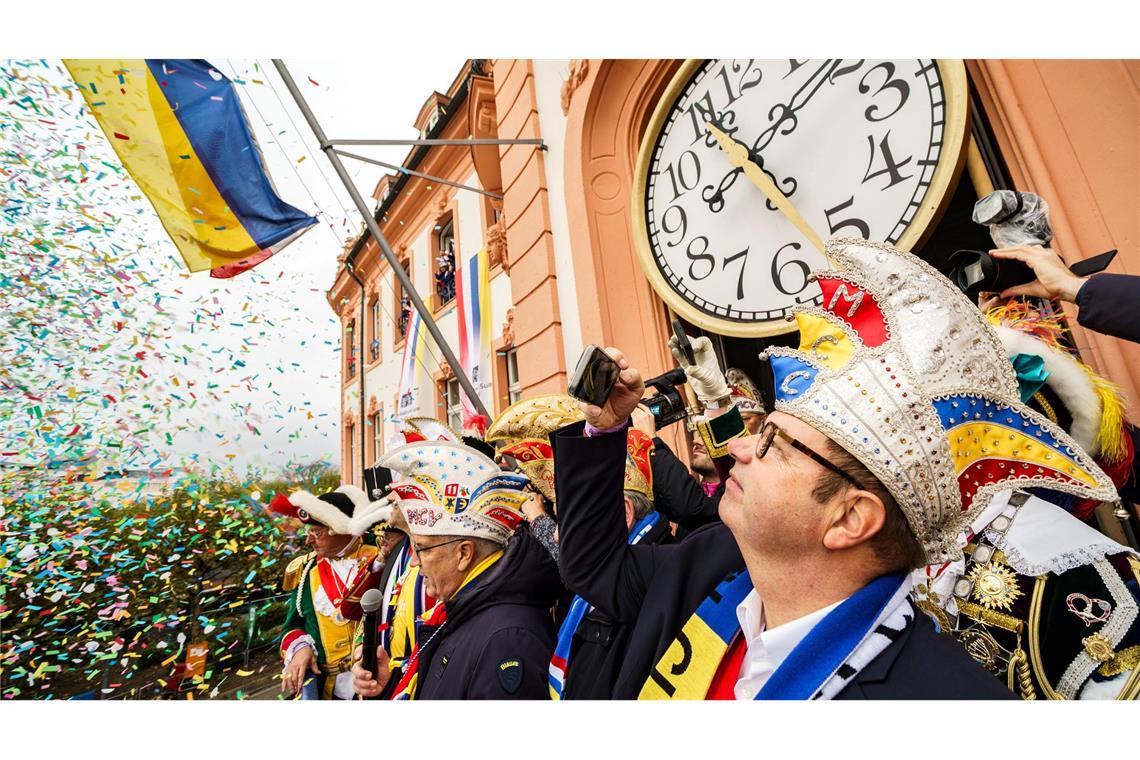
column 261, row 349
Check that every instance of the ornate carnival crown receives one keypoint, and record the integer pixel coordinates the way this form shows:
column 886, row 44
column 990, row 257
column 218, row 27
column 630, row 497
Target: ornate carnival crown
column 449, row 489
column 903, row 372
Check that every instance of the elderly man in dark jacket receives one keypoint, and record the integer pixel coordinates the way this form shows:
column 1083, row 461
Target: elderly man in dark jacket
column 491, row 636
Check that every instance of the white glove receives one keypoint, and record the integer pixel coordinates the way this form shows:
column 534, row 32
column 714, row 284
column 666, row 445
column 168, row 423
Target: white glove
column 705, row 376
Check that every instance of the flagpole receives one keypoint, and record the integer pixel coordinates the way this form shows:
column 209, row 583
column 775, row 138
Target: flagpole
column 385, row 248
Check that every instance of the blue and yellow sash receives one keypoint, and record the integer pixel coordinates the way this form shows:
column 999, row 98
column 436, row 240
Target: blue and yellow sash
column 687, row 668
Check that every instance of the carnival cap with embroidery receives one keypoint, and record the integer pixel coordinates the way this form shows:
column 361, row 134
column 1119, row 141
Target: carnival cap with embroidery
column 449, row 489
column 745, row 395
column 902, row 371
column 524, row 428
column 345, row 510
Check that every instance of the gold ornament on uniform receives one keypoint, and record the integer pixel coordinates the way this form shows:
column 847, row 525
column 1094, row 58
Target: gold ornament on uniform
column 929, row 601
column 1098, row 647
column 995, row 586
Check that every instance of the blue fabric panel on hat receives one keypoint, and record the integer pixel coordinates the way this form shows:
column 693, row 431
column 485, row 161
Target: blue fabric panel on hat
column 791, row 376
column 961, row 409
column 508, row 481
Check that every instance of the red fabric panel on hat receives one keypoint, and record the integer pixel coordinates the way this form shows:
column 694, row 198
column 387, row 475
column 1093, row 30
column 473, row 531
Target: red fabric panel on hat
column 529, row 450
column 638, row 445
column 856, row 307
column 988, row 471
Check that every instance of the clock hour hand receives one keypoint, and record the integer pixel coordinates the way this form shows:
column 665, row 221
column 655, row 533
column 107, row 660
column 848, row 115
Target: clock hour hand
column 738, row 155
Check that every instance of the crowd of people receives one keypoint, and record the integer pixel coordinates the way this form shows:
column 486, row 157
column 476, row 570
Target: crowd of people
column 910, row 515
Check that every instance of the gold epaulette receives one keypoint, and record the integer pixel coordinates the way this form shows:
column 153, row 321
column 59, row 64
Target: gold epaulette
column 293, row 572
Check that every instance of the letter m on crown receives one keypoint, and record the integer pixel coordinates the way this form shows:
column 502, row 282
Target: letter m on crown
column 855, row 306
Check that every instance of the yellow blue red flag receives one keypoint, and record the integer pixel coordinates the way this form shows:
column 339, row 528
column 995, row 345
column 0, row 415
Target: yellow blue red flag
column 178, row 128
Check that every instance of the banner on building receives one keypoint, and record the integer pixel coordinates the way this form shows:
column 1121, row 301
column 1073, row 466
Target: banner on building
column 179, row 130
column 412, row 368
column 474, row 309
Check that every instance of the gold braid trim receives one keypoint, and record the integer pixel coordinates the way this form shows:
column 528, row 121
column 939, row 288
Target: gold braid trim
column 1046, row 407
column 1019, row 670
column 1121, row 662
column 991, row 617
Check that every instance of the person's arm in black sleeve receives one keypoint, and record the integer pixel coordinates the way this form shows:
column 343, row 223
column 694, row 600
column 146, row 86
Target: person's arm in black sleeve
column 677, row 494
column 594, row 558
column 1110, row 304
column 512, row 665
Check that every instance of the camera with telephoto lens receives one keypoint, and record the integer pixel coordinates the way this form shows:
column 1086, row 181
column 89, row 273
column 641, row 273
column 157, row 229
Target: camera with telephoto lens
column 668, row 404
column 1014, row 218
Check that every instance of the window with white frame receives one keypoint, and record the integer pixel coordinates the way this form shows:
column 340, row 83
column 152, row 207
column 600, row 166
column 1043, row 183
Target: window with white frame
column 454, row 405
column 514, row 389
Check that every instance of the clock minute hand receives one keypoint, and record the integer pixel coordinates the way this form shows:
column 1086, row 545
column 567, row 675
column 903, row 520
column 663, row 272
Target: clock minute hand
column 738, row 156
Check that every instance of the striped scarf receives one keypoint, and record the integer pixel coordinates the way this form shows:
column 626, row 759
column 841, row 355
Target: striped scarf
column 819, row 667
column 579, row 608
column 436, row 618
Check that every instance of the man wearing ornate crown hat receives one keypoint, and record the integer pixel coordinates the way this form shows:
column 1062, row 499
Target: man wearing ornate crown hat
column 677, row 495
column 895, row 423
column 1042, row 600
column 491, row 635
column 317, row 639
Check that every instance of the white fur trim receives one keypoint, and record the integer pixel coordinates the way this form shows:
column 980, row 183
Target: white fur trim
column 369, row 515
column 321, row 511
column 1067, row 380
column 359, row 499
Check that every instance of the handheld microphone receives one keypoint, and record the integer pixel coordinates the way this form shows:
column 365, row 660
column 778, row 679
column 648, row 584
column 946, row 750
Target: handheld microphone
column 371, row 602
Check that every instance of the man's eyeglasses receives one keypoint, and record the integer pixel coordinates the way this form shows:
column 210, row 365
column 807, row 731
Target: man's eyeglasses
column 768, row 433
column 420, row 550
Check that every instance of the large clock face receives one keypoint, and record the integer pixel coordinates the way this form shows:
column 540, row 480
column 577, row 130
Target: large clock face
column 860, row 148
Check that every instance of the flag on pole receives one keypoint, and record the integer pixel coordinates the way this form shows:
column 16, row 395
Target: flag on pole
column 473, row 281
column 411, row 374
column 178, row 128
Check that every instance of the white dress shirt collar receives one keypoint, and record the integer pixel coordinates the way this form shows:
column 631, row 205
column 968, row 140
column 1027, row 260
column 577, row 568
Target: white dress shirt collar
column 767, row 649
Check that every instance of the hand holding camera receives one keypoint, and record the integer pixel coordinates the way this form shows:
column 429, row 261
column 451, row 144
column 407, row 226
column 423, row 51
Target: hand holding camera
column 607, row 387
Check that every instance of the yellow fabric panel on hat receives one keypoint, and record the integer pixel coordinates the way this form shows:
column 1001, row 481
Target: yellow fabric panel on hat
column 824, row 340
column 525, row 427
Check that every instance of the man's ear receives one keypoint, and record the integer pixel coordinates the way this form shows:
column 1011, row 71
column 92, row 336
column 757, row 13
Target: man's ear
column 466, row 555
column 629, row 514
column 856, row 517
